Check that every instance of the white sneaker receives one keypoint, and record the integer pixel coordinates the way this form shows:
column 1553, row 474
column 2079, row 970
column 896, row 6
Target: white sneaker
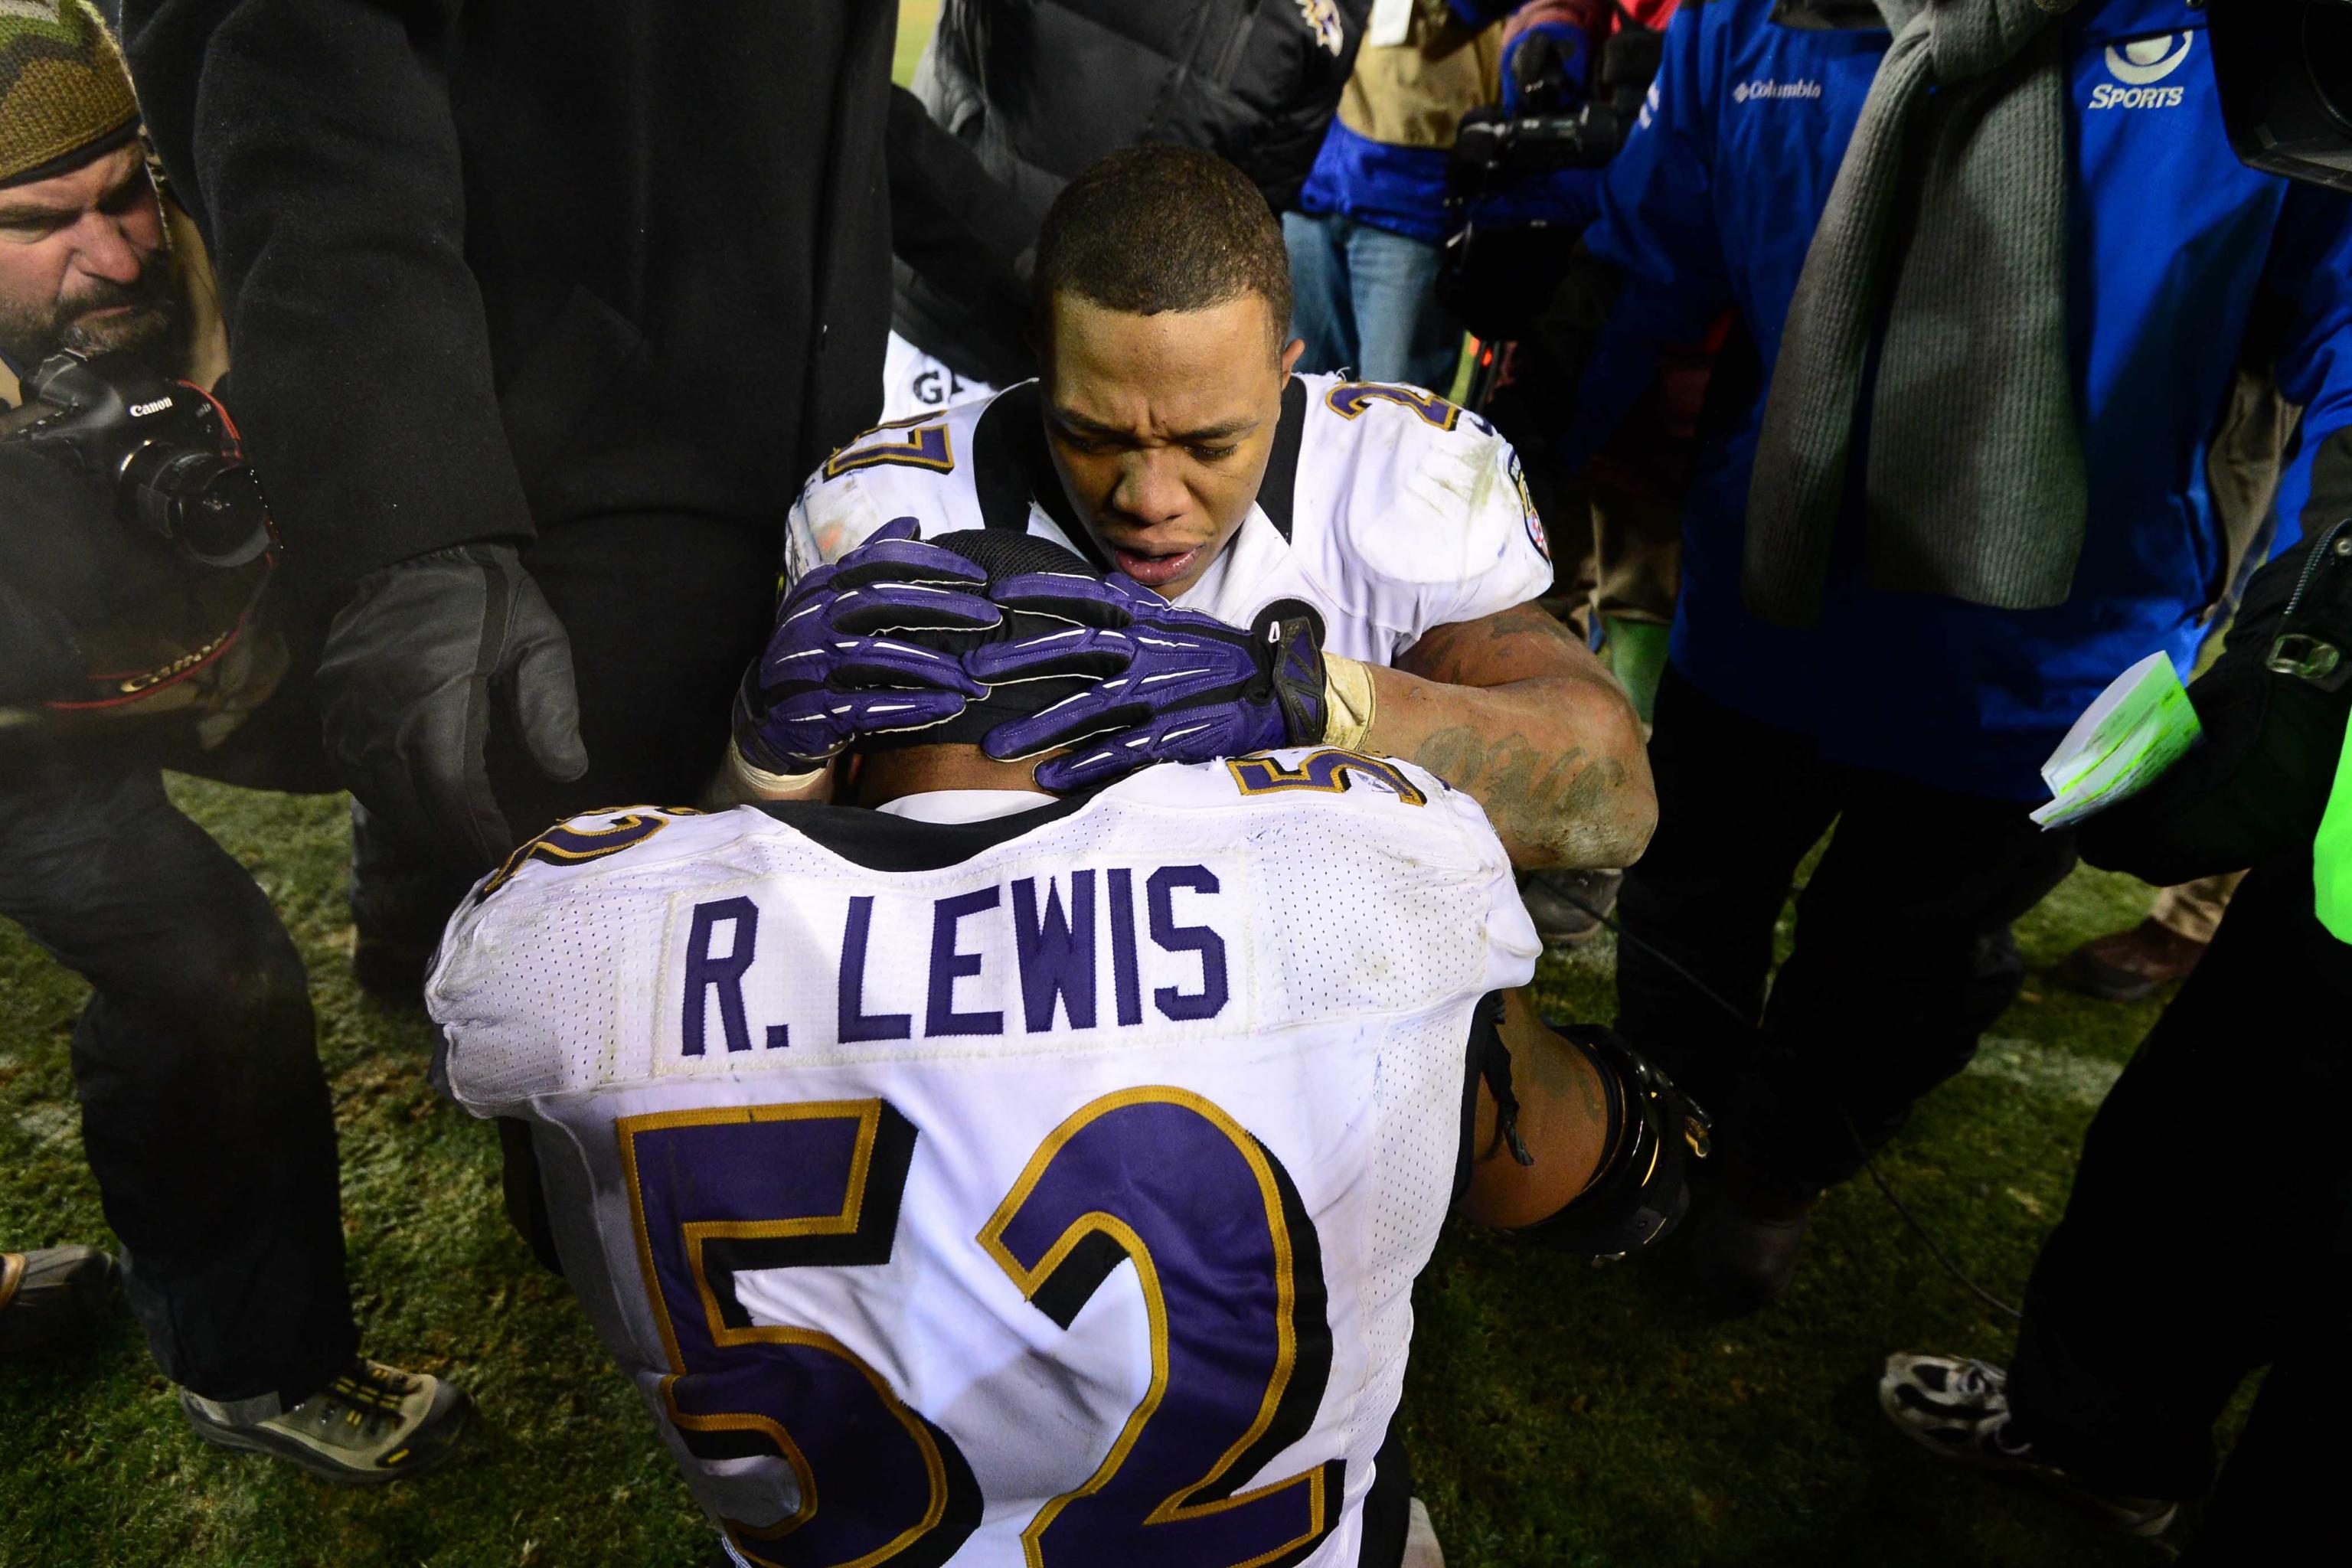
column 1957, row 1408
column 1420, row 1548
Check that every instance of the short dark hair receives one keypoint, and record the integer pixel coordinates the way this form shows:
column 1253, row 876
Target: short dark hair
column 1162, row 228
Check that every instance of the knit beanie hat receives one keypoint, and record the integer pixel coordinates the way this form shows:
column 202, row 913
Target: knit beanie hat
column 65, row 97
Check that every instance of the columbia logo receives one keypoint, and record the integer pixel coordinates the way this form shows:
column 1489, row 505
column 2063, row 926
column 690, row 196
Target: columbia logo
column 1760, row 87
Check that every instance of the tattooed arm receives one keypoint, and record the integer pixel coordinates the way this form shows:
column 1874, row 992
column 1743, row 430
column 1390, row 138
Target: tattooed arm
column 1513, row 710
column 1563, row 1123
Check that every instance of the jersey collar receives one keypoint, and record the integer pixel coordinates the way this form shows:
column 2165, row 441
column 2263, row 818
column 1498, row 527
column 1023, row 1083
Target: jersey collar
column 965, row 805
column 1015, row 470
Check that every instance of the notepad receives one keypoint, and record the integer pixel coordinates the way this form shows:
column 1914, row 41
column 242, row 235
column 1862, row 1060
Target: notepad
column 2140, row 726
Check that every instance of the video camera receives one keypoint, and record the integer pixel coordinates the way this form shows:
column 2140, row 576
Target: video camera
column 1490, row 149
column 168, row 451
column 1497, row 273
column 2285, row 71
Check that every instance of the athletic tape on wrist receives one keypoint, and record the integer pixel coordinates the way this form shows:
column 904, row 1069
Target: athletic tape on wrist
column 763, row 785
column 1347, row 702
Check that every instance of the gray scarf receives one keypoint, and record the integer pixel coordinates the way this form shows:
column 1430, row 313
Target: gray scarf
column 1948, row 214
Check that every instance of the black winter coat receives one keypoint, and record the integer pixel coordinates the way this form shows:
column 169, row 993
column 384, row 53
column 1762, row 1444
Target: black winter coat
column 488, row 262
column 1039, row 89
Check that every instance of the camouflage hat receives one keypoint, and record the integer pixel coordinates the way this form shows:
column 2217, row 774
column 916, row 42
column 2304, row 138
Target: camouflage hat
column 64, row 96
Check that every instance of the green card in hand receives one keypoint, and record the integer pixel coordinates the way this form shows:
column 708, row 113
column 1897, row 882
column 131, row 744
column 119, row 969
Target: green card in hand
column 2136, row 727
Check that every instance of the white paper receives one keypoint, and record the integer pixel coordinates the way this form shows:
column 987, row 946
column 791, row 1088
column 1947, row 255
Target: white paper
column 1392, row 23
column 2134, row 730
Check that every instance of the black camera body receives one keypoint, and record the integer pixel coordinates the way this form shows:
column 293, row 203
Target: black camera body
column 1490, row 149
column 167, row 451
column 1496, row 279
column 2285, row 71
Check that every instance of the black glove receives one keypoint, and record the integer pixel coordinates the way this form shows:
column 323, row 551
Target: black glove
column 1546, row 71
column 63, row 552
column 40, row 658
column 428, row 653
column 2273, row 706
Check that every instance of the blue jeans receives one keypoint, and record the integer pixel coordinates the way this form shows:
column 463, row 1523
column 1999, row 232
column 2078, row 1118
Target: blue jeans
column 1365, row 301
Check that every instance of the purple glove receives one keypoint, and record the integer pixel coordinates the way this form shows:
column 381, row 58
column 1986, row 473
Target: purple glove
column 828, row 678
column 1171, row 686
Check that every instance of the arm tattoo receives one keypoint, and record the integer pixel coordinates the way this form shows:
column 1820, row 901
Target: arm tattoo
column 1588, row 1089
column 1458, row 656
column 1528, row 621
column 1524, row 789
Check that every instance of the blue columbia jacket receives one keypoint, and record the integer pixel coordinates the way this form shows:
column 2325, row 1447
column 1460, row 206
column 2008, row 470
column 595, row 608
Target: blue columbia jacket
column 2176, row 252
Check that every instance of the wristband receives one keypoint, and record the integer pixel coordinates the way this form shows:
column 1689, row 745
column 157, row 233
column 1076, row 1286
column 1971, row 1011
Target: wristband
column 1349, row 702
column 763, row 784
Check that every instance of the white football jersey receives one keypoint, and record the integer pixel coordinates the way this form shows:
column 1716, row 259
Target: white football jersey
column 1385, row 507
column 914, row 384
column 950, row 1184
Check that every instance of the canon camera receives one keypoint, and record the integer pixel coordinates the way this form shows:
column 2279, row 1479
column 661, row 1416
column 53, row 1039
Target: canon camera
column 168, row 452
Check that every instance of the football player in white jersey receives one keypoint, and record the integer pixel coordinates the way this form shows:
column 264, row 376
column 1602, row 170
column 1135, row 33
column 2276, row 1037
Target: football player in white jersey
column 991, row 1178
column 1169, row 442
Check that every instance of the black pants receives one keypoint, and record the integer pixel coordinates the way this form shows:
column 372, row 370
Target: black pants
column 1902, row 955
column 204, row 1113
column 2210, row 1233
column 664, row 613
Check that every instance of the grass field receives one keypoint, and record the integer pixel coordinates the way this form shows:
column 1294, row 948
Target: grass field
column 914, row 20
column 1560, row 1416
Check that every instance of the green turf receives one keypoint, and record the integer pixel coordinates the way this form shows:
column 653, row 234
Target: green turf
column 1558, row 1414
column 915, row 21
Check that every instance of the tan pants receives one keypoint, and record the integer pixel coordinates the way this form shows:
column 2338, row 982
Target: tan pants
column 1630, row 565
column 2242, row 466
column 2242, row 472
column 2194, row 909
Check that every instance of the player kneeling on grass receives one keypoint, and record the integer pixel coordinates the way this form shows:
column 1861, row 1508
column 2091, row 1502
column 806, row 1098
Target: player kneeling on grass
column 1167, row 442
column 973, row 1166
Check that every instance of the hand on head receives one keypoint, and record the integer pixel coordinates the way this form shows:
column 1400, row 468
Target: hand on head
column 836, row 668
column 1013, row 644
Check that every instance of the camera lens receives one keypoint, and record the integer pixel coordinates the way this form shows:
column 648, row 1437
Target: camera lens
column 211, row 507
column 2328, row 57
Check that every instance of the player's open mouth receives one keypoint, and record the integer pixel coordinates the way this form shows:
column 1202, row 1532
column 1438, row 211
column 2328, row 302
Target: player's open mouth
column 1154, row 570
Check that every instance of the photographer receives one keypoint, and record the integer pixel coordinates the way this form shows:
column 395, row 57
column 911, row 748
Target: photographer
column 135, row 550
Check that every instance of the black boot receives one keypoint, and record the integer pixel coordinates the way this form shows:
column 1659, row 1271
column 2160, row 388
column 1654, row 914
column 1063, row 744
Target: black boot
column 1744, row 1247
column 50, row 1291
column 401, row 896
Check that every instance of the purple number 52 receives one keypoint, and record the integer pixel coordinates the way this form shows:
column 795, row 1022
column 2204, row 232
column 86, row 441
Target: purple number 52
column 1224, row 1251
